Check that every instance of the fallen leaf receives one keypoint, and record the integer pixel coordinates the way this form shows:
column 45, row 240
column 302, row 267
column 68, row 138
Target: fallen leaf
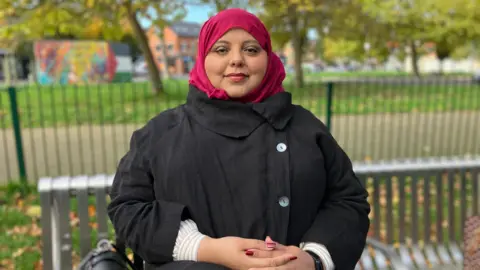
column 91, row 211
column 6, row 264
column 35, row 230
column 38, row 265
column 19, row 252
column 74, row 220
column 34, row 211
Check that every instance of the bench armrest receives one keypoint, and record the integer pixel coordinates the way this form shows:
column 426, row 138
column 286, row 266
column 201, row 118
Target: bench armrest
column 388, row 251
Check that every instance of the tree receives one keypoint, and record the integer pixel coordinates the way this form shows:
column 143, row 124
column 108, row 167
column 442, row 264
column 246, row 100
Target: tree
column 345, row 30
column 103, row 19
column 289, row 20
column 449, row 24
column 456, row 24
column 158, row 13
column 26, row 21
column 224, row 4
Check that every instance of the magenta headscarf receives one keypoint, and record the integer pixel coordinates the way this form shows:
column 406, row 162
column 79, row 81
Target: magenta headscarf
column 215, row 28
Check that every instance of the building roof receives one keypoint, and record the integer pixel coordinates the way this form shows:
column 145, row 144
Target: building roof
column 186, row 29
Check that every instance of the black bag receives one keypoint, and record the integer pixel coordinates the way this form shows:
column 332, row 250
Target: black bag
column 105, row 257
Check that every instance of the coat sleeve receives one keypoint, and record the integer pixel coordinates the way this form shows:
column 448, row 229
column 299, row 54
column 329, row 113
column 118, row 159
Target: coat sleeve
column 148, row 225
column 342, row 222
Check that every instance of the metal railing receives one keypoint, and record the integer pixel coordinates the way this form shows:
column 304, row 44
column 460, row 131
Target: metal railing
column 69, row 130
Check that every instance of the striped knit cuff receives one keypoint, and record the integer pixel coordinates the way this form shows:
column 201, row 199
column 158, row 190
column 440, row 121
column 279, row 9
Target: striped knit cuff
column 322, row 252
column 188, row 242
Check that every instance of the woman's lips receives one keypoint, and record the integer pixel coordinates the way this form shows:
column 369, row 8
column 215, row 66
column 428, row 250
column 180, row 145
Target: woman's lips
column 236, row 77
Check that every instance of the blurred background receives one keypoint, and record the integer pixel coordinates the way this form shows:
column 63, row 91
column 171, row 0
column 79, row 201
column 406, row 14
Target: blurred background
column 392, row 79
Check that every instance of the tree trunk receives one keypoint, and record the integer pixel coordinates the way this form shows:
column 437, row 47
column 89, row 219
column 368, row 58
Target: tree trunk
column 142, row 40
column 414, row 56
column 297, row 49
column 166, row 74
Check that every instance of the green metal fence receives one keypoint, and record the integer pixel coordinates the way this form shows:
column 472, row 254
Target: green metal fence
column 70, row 130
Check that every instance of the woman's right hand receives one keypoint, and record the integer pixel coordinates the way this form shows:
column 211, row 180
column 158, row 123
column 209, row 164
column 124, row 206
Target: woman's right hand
column 231, row 252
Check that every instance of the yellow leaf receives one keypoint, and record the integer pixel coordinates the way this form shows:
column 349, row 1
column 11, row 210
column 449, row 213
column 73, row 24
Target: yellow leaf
column 34, row 211
column 91, row 211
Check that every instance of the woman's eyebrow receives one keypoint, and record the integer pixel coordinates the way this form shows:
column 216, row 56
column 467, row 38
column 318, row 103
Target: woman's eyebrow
column 251, row 41
column 222, row 42
column 245, row 42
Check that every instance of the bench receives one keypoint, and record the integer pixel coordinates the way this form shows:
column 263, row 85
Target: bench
column 395, row 241
column 419, row 208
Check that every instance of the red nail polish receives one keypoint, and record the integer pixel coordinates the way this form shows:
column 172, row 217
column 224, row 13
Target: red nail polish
column 293, row 258
column 249, row 253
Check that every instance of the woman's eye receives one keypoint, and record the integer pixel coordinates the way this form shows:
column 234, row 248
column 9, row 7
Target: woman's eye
column 252, row 50
column 221, row 50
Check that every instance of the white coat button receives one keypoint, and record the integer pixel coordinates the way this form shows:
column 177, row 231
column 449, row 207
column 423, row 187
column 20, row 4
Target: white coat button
column 284, row 201
column 281, row 147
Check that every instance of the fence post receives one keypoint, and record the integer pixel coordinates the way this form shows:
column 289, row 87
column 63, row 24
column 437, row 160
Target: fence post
column 329, row 105
column 12, row 93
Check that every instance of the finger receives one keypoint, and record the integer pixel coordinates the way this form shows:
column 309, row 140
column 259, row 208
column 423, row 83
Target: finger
column 282, row 260
column 279, row 262
column 270, row 243
column 256, row 253
column 256, row 244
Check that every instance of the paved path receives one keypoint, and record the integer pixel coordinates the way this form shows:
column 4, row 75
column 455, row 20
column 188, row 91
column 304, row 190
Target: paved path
column 96, row 149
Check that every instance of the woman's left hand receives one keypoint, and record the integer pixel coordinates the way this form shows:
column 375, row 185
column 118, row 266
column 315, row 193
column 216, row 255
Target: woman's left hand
column 303, row 262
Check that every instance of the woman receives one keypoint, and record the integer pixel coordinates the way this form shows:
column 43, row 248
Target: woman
column 238, row 177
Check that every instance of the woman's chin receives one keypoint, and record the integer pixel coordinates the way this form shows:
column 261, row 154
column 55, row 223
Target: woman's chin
column 237, row 92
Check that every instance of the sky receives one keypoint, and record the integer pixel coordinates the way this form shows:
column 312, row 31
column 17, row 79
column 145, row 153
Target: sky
column 197, row 14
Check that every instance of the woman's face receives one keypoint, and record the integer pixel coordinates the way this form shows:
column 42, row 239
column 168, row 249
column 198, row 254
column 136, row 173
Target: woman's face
column 236, row 63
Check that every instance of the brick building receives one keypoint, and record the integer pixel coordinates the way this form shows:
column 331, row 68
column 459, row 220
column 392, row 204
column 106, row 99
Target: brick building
column 180, row 47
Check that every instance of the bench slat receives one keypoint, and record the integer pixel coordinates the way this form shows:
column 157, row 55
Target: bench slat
column 380, row 260
column 404, row 254
column 101, row 206
column 475, row 192
column 44, row 189
column 366, row 260
column 456, row 253
column 431, row 255
column 419, row 257
column 62, row 203
column 84, row 218
column 444, row 255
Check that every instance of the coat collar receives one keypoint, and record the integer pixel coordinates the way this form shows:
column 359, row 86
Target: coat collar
column 235, row 119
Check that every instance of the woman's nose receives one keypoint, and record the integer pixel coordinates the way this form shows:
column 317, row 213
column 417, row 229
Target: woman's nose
column 236, row 62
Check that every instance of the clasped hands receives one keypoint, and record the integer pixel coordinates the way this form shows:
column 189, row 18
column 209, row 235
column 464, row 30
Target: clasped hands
column 249, row 254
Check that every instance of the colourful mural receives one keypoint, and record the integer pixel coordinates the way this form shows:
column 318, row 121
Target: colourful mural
column 74, row 62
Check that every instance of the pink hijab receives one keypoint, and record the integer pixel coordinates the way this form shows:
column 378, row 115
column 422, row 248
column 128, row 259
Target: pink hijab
column 215, row 28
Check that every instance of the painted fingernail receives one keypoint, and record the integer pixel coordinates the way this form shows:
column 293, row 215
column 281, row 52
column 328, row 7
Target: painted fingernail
column 293, row 258
column 271, row 245
column 249, row 253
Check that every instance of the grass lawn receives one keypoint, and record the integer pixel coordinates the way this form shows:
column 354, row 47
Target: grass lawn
column 47, row 106
column 20, row 230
